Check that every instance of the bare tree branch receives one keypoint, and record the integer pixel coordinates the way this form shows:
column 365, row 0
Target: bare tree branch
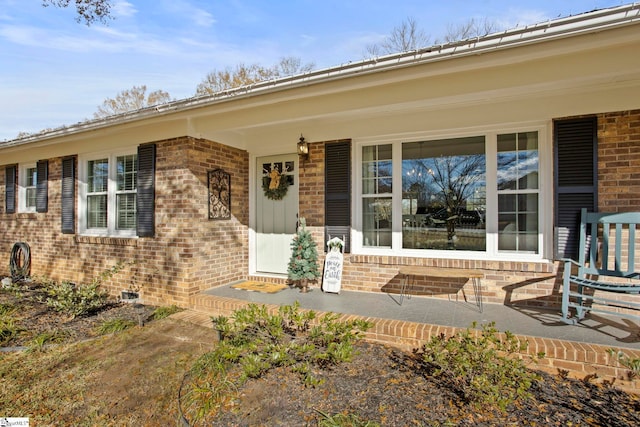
column 408, row 36
column 131, row 100
column 470, row 29
column 243, row 75
column 405, row 37
column 89, row 11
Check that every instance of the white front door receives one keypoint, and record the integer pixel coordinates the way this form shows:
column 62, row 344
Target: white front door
column 276, row 210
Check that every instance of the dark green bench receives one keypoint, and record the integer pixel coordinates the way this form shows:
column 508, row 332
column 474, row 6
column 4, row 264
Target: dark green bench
column 605, row 266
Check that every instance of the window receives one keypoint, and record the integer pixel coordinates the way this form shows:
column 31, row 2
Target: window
column 97, row 193
column 126, row 193
column 376, row 195
column 475, row 194
column 27, row 187
column 108, row 195
column 518, row 192
column 443, row 187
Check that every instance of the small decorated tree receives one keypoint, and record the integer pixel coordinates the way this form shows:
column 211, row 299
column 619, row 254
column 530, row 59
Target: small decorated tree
column 303, row 265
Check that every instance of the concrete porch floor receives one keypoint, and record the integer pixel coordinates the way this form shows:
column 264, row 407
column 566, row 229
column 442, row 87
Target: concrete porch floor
column 524, row 321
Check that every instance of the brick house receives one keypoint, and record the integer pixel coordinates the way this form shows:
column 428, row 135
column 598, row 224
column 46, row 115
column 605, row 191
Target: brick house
column 476, row 154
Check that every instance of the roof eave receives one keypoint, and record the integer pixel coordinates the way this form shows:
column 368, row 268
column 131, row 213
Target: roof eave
column 590, row 22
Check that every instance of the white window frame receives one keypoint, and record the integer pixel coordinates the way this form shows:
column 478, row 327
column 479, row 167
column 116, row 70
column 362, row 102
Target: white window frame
column 22, row 187
column 110, row 230
column 545, row 201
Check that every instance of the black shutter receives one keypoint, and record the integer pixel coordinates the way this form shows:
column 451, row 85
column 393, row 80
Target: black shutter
column 42, row 185
column 69, row 195
column 146, row 190
column 337, row 192
column 576, row 178
column 10, row 189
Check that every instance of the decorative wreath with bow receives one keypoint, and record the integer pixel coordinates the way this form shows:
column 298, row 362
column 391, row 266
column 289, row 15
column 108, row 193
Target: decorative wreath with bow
column 275, row 185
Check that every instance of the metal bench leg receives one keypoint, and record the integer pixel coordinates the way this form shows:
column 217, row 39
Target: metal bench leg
column 404, row 288
column 477, row 288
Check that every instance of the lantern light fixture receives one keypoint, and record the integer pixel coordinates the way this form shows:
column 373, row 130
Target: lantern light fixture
column 303, row 148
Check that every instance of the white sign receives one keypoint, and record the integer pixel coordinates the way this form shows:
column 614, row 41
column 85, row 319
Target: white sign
column 332, row 278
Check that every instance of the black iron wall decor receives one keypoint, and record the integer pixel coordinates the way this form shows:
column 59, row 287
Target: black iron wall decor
column 219, row 194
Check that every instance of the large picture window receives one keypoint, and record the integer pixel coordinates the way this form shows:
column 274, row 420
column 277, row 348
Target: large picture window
column 477, row 194
column 443, row 194
column 108, row 202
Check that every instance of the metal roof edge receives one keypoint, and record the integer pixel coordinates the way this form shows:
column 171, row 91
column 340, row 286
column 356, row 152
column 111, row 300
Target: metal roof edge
column 593, row 21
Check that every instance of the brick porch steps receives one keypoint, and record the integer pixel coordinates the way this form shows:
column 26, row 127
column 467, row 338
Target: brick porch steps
column 581, row 360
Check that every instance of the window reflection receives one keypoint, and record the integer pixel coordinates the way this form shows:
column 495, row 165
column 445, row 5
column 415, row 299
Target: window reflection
column 444, row 194
column 377, row 178
column 518, row 165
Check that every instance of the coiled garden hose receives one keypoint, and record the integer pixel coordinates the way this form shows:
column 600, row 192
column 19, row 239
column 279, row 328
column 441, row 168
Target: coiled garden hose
column 20, row 261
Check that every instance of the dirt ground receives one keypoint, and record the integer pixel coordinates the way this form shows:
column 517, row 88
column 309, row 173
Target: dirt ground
column 126, row 378
column 133, row 377
column 388, row 386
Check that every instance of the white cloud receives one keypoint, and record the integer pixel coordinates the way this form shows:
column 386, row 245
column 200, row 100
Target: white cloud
column 123, row 9
column 200, row 17
column 103, row 39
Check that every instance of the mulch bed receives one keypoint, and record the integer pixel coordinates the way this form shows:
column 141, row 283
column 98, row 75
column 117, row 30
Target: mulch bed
column 34, row 317
column 387, row 385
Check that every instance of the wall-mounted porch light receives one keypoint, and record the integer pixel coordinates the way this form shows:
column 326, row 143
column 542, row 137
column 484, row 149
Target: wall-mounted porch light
column 303, row 148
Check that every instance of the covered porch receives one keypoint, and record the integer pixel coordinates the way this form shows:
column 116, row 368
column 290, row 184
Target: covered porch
column 581, row 349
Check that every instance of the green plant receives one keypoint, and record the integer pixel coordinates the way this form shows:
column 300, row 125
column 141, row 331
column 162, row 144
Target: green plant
column 78, row 300
column 633, row 364
column 343, row 420
column 38, row 342
column 75, row 300
column 255, row 341
column 303, row 264
column 162, row 312
column 114, row 325
column 7, row 309
column 482, row 367
column 14, row 288
column 8, row 329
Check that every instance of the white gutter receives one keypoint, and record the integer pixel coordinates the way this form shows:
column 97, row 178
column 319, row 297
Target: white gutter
column 589, row 22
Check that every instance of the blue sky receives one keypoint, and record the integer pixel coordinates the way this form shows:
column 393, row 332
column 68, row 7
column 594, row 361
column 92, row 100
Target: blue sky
column 55, row 71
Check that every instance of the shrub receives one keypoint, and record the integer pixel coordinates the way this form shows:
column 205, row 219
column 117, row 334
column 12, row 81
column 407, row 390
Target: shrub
column 74, row 300
column 254, row 342
column 79, row 300
column 480, row 366
column 633, row 364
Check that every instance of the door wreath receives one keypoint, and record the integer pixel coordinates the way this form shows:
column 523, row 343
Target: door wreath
column 275, row 185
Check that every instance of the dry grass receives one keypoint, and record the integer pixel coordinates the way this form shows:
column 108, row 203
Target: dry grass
column 131, row 378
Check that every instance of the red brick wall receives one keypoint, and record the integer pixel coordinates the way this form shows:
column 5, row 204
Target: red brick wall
column 311, row 197
column 533, row 284
column 619, row 161
column 189, row 252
